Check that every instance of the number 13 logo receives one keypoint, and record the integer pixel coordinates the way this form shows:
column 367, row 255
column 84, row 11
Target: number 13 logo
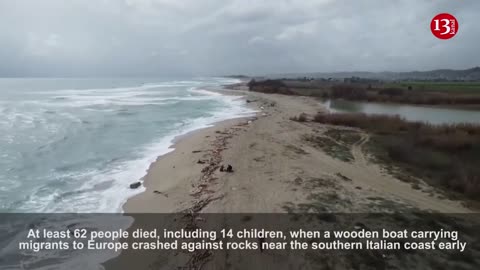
column 444, row 26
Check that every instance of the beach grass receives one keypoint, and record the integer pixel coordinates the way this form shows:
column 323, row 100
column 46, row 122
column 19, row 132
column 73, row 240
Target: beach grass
column 445, row 155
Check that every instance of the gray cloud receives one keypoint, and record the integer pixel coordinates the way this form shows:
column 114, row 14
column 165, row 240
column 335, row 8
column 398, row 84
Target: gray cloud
column 212, row 37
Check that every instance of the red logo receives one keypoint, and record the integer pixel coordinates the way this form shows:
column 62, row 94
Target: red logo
column 444, row 26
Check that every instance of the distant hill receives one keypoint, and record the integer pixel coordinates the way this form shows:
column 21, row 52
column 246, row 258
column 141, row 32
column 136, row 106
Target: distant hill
column 472, row 74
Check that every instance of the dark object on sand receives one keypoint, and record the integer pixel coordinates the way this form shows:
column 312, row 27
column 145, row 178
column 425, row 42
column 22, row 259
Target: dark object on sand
column 135, row 185
column 221, row 168
column 229, row 168
column 260, row 243
column 360, row 226
column 161, row 193
column 197, row 151
column 343, row 177
column 200, row 162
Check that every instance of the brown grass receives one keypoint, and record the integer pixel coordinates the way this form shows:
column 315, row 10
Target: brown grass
column 330, row 147
column 270, row 87
column 447, row 155
column 300, row 118
column 397, row 95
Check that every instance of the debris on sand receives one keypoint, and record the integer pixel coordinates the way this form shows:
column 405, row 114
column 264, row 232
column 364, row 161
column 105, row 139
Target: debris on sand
column 204, row 190
column 298, row 181
column 199, row 259
column 343, row 177
column 261, row 240
column 360, row 226
column 200, row 204
column 161, row 193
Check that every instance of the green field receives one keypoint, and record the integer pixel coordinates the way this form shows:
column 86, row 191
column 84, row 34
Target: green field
column 459, row 87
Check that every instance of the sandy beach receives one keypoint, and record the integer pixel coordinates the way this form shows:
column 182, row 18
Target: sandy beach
column 275, row 170
column 271, row 163
column 238, row 135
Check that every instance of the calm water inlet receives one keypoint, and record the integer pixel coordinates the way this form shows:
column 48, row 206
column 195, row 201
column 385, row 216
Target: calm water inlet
column 433, row 115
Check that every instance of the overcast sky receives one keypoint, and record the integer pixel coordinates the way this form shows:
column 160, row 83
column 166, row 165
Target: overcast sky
column 214, row 37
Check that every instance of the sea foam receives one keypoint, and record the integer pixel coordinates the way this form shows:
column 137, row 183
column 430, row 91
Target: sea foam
column 94, row 142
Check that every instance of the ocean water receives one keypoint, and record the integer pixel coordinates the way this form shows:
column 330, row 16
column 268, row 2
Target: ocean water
column 75, row 145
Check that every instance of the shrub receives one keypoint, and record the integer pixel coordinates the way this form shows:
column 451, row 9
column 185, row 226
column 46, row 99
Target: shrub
column 447, row 155
column 270, row 87
column 391, row 92
column 348, row 92
column 300, row 118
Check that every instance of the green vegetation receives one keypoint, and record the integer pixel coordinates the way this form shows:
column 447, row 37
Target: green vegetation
column 456, row 87
column 347, row 137
column 331, row 147
column 270, row 87
column 409, row 92
column 445, row 155
column 398, row 95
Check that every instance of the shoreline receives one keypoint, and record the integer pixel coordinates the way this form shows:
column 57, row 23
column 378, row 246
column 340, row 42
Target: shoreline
column 181, row 147
column 275, row 170
column 129, row 204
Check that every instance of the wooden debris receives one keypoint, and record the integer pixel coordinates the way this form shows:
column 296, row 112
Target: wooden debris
column 343, row 177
